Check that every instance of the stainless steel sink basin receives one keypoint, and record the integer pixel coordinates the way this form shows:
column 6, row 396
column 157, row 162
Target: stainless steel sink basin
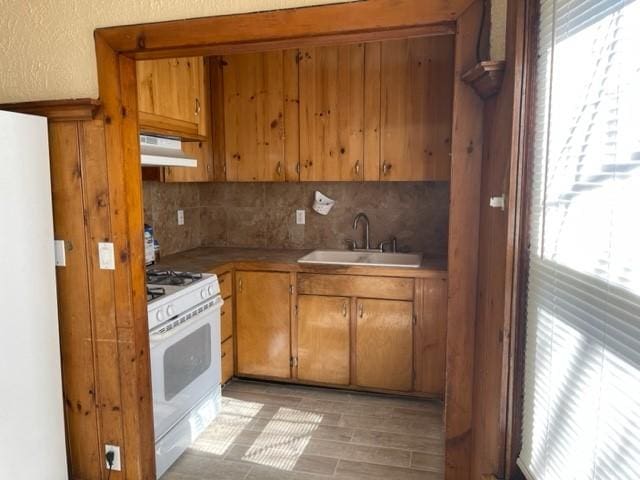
column 370, row 259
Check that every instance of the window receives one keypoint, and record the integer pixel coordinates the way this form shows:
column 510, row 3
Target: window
column 581, row 416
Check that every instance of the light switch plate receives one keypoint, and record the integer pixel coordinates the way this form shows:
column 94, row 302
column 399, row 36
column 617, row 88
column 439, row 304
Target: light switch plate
column 106, row 256
column 300, row 214
column 180, row 217
column 60, row 254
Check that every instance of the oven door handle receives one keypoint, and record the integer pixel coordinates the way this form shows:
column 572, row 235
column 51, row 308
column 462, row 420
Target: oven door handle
column 158, row 335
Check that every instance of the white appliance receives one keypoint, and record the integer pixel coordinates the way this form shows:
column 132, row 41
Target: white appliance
column 184, row 333
column 163, row 152
column 32, row 436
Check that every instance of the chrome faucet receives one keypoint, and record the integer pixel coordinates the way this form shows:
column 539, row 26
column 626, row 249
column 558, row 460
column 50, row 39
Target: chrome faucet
column 366, row 228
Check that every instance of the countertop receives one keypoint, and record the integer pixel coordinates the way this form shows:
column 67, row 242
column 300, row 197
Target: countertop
column 219, row 259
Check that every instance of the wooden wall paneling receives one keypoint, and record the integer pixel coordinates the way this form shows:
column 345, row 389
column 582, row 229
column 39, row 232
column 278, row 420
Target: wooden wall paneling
column 372, row 112
column 216, row 105
column 416, row 84
column 291, row 115
column 430, row 335
column 323, row 339
column 254, row 117
column 466, row 168
column 497, row 255
column 117, row 80
column 74, row 304
column 101, row 286
column 332, row 113
column 359, row 19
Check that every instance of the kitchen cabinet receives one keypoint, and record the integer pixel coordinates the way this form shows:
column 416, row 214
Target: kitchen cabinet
column 171, row 96
column 384, row 350
column 323, row 339
column 416, row 98
column 263, row 323
column 226, row 353
column 170, row 92
column 253, row 86
column 430, row 335
column 331, row 89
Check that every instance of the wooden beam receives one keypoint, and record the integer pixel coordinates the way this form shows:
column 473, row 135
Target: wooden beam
column 373, row 16
column 466, row 169
column 58, row 110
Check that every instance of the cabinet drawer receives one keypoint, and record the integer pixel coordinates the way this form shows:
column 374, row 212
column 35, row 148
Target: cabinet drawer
column 226, row 319
column 392, row 288
column 226, row 284
column 227, row 360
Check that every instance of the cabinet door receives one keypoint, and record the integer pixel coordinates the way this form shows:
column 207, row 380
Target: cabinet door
column 170, row 95
column 430, row 335
column 323, row 339
column 384, row 350
column 331, row 84
column 202, row 173
column 263, row 324
column 416, row 108
column 254, row 117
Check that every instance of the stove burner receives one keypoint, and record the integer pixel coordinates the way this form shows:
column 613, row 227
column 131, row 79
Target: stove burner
column 169, row 277
column 154, row 292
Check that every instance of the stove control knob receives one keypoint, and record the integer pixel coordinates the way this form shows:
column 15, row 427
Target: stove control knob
column 203, row 293
column 210, row 290
column 160, row 315
column 171, row 311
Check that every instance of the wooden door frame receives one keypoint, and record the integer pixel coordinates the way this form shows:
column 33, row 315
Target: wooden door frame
column 117, row 48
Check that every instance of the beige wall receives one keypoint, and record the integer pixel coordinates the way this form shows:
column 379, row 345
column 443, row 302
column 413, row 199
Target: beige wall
column 47, row 49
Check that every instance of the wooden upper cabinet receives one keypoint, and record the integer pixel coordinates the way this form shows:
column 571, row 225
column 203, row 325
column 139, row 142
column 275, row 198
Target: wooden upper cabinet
column 171, row 96
column 323, row 339
column 331, row 87
column 263, row 324
column 416, row 98
column 384, row 350
column 254, row 117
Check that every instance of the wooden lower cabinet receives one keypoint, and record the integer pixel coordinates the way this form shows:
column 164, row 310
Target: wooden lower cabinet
column 263, row 324
column 384, row 350
column 323, row 339
column 226, row 352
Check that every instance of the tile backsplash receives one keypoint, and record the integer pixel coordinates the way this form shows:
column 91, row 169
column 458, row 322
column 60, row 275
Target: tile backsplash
column 263, row 214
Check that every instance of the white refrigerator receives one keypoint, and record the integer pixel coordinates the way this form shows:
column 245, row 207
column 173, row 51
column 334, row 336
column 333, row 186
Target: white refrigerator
column 32, row 438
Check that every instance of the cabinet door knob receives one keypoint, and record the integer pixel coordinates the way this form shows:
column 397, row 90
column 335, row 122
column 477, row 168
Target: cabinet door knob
column 197, row 111
column 385, row 168
column 344, row 309
column 279, row 168
column 357, row 167
column 240, row 286
column 361, row 309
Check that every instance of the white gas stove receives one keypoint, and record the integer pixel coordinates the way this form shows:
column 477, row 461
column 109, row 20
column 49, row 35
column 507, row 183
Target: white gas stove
column 184, row 333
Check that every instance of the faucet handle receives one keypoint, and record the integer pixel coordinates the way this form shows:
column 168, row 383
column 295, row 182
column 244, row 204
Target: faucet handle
column 392, row 242
column 351, row 244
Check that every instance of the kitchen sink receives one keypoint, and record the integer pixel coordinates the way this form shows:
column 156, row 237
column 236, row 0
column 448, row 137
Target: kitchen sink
column 370, row 259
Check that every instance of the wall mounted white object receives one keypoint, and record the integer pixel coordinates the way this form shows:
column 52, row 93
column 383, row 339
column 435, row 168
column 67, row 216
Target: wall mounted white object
column 323, row 204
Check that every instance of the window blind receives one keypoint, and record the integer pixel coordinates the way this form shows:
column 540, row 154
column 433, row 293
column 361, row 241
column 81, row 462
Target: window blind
column 581, row 412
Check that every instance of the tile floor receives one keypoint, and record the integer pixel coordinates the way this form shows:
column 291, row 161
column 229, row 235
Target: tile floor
column 282, row 432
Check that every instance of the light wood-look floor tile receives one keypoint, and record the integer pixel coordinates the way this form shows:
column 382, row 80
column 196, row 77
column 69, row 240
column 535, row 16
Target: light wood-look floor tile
column 269, row 431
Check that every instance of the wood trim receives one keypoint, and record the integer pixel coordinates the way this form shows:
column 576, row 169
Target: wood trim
column 361, row 21
column 58, row 110
column 522, row 176
column 466, row 168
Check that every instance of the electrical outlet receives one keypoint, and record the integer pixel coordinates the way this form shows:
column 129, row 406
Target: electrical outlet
column 106, row 256
column 300, row 217
column 116, row 457
column 180, row 217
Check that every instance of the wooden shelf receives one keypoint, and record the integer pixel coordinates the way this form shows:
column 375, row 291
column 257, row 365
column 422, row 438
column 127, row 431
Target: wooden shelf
column 485, row 78
column 58, row 110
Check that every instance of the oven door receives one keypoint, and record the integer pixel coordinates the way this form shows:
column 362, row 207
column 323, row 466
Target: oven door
column 185, row 363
